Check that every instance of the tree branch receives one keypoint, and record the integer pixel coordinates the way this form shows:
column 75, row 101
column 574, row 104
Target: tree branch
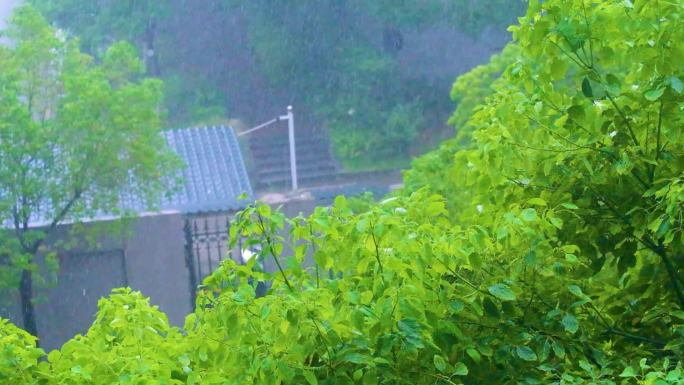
column 658, row 249
column 624, row 118
column 658, row 149
column 56, row 220
column 377, row 253
column 272, row 252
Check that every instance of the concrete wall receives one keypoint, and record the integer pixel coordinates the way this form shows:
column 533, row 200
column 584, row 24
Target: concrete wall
column 155, row 262
column 69, row 308
column 148, row 255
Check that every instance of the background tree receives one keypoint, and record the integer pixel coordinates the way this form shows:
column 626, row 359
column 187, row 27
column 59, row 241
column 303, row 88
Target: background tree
column 74, row 135
column 347, row 66
column 544, row 248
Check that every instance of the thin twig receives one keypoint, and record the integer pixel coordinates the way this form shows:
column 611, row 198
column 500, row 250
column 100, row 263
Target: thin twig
column 658, row 149
column 658, row 249
column 273, row 253
column 624, row 118
column 377, row 253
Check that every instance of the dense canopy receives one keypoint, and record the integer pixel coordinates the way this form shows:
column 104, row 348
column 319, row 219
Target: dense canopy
column 542, row 245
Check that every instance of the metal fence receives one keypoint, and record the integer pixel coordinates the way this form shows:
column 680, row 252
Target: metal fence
column 206, row 245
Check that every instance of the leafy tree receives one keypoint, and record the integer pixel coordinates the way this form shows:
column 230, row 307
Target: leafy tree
column 130, row 20
column 125, row 322
column 553, row 255
column 351, row 85
column 469, row 92
column 74, row 135
column 558, row 260
column 19, row 355
column 325, row 57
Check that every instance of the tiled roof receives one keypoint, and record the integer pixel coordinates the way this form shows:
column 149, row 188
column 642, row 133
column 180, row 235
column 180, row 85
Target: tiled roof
column 215, row 173
column 212, row 179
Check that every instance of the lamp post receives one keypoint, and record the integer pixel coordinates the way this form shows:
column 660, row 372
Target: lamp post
column 290, row 131
column 293, row 156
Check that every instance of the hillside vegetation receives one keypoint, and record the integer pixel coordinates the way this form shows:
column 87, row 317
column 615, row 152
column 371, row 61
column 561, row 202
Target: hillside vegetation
column 368, row 72
column 542, row 245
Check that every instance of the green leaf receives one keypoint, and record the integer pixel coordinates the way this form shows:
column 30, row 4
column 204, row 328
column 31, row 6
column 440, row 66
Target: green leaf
column 310, row 377
column 586, row 88
column 676, row 84
column 501, row 233
column 79, row 370
column 663, row 228
column 475, row 260
column 474, row 354
column 54, row 355
column 460, row 369
column 529, row 214
column 558, row 349
column 502, row 292
column 558, row 69
column 570, row 323
column 536, row 202
column 628, row 372
column 654, row 94
column 370, row 378
column 355, row 358
column 612, row 85
column 526, row 353
column 440, row 363
column 456, row 306
column 358, row 374
column 577, row 291
column 490, row 308
column 570, row 206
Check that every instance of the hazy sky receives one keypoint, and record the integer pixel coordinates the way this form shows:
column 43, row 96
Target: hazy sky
column 6, row 7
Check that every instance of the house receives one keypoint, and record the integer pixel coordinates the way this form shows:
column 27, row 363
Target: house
column 164, row 253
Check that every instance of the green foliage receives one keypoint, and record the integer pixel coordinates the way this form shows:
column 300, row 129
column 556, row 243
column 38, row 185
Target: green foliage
column 100, row 24
column 18, row 355
column 193, row 101
column 130, row 342
column 550, row 251
column 74, row 135
column 471, row 89
column 469, row 92
column 354, row 87
column 471, row 16
column 329, row 59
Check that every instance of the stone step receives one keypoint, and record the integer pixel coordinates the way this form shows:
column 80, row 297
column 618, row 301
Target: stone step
column 304, row 181
column 303, row 159
column 301, row 171
column 270, row 156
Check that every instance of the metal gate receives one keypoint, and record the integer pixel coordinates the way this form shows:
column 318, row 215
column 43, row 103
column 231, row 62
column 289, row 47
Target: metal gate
column 206, row 245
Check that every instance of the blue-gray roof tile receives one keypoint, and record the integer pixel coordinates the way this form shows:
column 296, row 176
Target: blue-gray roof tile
column 212, row 179
column 214, row 174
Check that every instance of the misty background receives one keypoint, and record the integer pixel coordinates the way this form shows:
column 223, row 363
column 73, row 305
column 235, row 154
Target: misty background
column 369, row 79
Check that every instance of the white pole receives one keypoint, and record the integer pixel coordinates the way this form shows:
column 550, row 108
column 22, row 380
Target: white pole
column 293, row 155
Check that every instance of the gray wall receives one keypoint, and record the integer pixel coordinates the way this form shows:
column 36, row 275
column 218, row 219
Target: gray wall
column 155, row 261
column 148, row 255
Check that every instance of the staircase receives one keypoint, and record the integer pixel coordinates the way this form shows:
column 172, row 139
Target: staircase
column 271, row 159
